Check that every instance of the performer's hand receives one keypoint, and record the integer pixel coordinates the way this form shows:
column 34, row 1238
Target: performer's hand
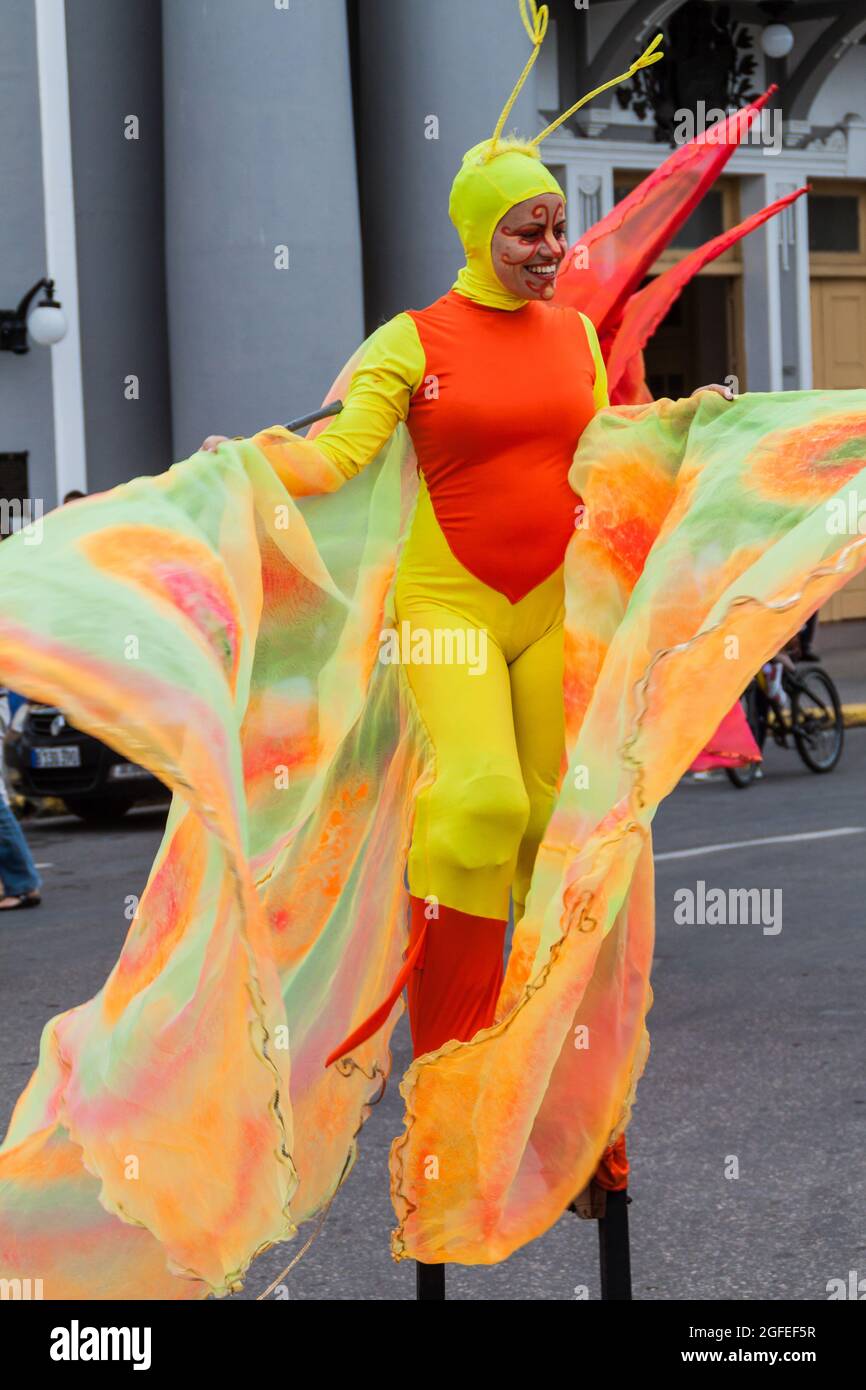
column 212, row 443
column 724, row 391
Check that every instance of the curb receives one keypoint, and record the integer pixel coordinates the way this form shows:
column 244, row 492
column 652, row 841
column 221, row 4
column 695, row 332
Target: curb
column 853, row 716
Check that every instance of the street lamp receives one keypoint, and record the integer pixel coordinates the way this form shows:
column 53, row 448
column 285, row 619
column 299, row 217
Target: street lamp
column 45, row 322
column 777, row 40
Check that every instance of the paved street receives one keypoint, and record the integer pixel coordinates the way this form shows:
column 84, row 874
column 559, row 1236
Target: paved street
column 758, row 1053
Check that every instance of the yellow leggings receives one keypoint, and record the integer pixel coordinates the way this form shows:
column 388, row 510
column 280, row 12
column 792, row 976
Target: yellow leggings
column 487, row 676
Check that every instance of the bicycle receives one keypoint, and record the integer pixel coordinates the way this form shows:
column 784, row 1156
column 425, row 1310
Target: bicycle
column 811, row 721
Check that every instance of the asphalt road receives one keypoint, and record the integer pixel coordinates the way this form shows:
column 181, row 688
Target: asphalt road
column 758, row 1056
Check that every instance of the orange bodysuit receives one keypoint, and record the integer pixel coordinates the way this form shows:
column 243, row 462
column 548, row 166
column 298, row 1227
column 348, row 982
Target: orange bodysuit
column 495, row 422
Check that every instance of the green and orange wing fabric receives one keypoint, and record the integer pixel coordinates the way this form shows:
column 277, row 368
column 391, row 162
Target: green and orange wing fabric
column 712, row 531
column 225, row 635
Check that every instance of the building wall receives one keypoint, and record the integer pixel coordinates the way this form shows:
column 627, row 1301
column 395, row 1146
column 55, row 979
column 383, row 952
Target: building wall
column 26, row 420
column 846, row 92
column 246, row 114
column 115, row 73
column 445, row 68
column 259, row 154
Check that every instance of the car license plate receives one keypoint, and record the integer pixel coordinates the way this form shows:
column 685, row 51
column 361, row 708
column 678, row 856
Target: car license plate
column 123, row 772
column 55, row 757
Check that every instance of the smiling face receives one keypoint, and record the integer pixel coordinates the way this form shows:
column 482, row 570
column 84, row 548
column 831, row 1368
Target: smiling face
column 528, row 246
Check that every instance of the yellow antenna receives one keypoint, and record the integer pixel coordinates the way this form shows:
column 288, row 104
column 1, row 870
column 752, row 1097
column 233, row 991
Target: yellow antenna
column 645, row 60
column 535, row 23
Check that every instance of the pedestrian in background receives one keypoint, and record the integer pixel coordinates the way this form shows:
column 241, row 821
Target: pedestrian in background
column 21, row 882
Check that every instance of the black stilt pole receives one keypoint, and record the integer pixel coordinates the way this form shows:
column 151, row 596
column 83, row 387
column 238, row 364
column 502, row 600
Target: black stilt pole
column 430, row 1281
column 613, row 1248
column 332, row 408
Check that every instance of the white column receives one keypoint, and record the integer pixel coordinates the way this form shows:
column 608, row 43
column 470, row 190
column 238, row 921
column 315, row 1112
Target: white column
column 761, row 296
column 572, row 204
column 789, row 229
column 804, row 289
column 606, row 188
column 66, row 382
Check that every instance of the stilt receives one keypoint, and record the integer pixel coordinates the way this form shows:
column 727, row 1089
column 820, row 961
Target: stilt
column 430, row 1281
column 613, row 1248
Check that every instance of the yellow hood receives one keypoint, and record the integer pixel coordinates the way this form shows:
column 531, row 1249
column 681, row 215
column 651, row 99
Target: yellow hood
column 481, row 194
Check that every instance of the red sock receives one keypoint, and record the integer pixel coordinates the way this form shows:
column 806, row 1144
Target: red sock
column 612, row 1171
column 452, row 975
column 453, row 989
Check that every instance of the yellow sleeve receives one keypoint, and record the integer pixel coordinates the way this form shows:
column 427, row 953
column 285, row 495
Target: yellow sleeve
column 599, row 390
column 382, row 385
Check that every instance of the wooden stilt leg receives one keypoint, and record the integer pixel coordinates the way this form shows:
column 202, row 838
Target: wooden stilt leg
column 613, row 1248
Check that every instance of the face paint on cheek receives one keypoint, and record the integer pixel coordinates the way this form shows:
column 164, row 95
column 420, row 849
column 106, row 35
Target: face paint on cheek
column 508, row 257
column 521, row 255
column 528, row 239
column 552, row 239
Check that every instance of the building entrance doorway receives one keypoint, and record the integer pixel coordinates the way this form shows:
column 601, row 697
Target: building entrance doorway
column 837, row 292
column 695, row 343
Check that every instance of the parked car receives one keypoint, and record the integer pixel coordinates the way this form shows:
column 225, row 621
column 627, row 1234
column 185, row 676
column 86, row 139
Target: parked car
column 45, row 757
